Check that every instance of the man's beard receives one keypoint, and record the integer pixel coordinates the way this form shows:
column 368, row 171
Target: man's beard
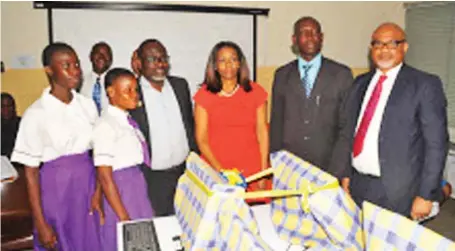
column 158, row 78
column 385, row 64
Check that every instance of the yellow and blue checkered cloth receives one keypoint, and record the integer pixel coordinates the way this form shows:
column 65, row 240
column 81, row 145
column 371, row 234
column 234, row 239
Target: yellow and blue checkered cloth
column 333, row 221
column 209, row 213
column 214, row 216
column 386, row 230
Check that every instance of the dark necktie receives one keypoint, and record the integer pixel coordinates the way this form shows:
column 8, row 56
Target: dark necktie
column 367, row 116
column 145, row 149
column 305, row 80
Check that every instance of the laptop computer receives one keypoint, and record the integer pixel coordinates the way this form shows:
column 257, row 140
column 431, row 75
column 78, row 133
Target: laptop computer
column 138, row 235
column 157, row 234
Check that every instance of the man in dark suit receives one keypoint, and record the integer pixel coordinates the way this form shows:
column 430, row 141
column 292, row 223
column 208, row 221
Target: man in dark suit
column 398, row 119
column 307, row 97
column 166, row 120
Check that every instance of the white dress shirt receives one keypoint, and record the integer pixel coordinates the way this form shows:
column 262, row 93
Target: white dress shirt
column 89, row 83
column 367, row 162
column 167, row 132
column 115, row 142
column 50, row 129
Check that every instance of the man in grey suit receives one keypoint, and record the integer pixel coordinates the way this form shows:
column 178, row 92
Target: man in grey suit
column 397, row 126
column 307, row 96
column 166, row 120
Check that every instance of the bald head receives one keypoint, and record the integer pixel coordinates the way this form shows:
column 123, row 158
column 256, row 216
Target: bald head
column 388, row 46
column 390, row 28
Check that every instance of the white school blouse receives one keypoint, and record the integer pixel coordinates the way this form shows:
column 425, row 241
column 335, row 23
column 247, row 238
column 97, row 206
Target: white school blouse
column 115, row 142
column 50, row 129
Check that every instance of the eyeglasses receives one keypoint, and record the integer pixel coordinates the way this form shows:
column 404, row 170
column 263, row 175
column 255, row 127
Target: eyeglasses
column 393, row 44
column 155, row 60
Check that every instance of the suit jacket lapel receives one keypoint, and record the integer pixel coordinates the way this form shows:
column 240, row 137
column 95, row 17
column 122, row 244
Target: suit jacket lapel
column 360, row 95
column 186, row 110
column 140, row 115
column 296, row 88
column 396, row 95
column 323, row 80
column 181, row 103
column 295, row 82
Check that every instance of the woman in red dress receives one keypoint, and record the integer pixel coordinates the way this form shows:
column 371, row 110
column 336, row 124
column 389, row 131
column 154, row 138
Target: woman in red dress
column 231, row 115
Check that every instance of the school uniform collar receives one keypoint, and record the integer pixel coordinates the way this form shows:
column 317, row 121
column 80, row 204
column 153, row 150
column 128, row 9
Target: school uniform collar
column 117, row 113
column 50, row 102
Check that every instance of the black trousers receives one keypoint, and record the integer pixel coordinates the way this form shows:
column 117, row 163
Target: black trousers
column 370, row 188
column 161, row 188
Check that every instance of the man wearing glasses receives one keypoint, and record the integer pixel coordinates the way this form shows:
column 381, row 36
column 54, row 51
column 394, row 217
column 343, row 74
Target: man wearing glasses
column 166, row 120
column 398, row 124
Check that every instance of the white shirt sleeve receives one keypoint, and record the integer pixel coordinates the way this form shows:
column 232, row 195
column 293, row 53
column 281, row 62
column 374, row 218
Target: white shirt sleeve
column 104, row 140
column 29, row 147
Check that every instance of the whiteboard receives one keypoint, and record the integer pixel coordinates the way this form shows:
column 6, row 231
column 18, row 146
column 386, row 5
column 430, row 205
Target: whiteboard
column 187, row 36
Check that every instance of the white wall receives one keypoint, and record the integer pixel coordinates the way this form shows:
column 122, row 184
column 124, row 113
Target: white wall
column 347, row 27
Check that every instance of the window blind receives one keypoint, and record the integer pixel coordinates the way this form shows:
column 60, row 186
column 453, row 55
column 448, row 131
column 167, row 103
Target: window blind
column 430, row 29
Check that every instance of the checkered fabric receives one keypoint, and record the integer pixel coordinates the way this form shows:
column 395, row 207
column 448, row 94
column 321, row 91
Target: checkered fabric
column 333, row 221
column 210, row 213
column 386, row 230
column 324, row 248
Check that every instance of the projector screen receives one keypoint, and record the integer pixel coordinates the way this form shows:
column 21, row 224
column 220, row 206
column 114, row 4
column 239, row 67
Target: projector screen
column 187, row 36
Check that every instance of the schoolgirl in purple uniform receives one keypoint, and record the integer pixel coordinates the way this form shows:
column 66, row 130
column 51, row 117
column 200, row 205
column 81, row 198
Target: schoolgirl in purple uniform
column 55, row 132
column 119, row 149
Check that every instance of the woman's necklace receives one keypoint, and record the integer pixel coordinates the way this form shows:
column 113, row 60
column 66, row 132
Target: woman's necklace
column 229, row 94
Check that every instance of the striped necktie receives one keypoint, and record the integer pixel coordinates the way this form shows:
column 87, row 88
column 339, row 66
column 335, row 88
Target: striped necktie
column 97, row 94
column 305, row 80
